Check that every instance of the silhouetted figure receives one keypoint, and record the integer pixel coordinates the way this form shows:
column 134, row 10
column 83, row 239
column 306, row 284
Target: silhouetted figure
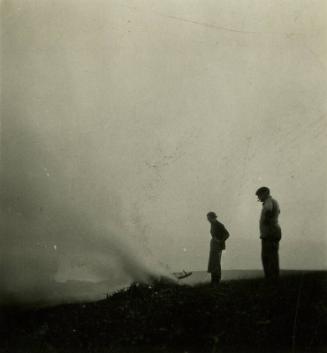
column 219, row 235
column 270, row 233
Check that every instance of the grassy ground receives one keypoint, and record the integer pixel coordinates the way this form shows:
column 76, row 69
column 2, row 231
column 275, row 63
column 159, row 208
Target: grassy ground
column 240, row 316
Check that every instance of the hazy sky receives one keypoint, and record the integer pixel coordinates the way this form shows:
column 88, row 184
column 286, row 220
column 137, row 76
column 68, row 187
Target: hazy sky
column 125, row 122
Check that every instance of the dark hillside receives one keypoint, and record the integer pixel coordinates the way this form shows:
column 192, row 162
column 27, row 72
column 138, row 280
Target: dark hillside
column 240, row 316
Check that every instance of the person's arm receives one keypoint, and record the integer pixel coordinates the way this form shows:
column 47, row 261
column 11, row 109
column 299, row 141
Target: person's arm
column 226, row 233
column 268, row 210
column 220, row 232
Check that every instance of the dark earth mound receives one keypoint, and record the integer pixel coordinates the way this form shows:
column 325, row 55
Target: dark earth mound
column 239, row 316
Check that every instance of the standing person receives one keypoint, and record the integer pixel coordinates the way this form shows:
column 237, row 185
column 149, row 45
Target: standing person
column 270, row 233
column 219, row 235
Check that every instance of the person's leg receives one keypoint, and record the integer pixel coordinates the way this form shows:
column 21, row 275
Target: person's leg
column 219, row 267
column 216, row 274
column 265, row 258
column 270, row 259
column 277, row 264
column 213, row 278
column 274, row 261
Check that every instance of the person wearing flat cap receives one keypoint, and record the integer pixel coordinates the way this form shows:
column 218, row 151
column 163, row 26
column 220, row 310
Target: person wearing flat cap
column 219, row 235
column 270, row 233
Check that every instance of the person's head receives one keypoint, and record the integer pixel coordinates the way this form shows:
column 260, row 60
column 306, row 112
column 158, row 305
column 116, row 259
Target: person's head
column 263, row 193
column 211, row 216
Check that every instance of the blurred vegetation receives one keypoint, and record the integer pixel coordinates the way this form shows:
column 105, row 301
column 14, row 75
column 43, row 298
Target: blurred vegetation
column 239, row 316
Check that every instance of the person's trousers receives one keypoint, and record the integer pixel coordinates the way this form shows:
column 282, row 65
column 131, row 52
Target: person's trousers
column 215, row 266
column 270, row 258
column 215, row 278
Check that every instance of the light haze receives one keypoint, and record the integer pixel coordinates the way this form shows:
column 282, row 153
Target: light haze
column 125, row 122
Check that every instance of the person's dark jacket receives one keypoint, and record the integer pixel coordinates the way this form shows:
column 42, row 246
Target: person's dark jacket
column 269, row 227
column 219, row 233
